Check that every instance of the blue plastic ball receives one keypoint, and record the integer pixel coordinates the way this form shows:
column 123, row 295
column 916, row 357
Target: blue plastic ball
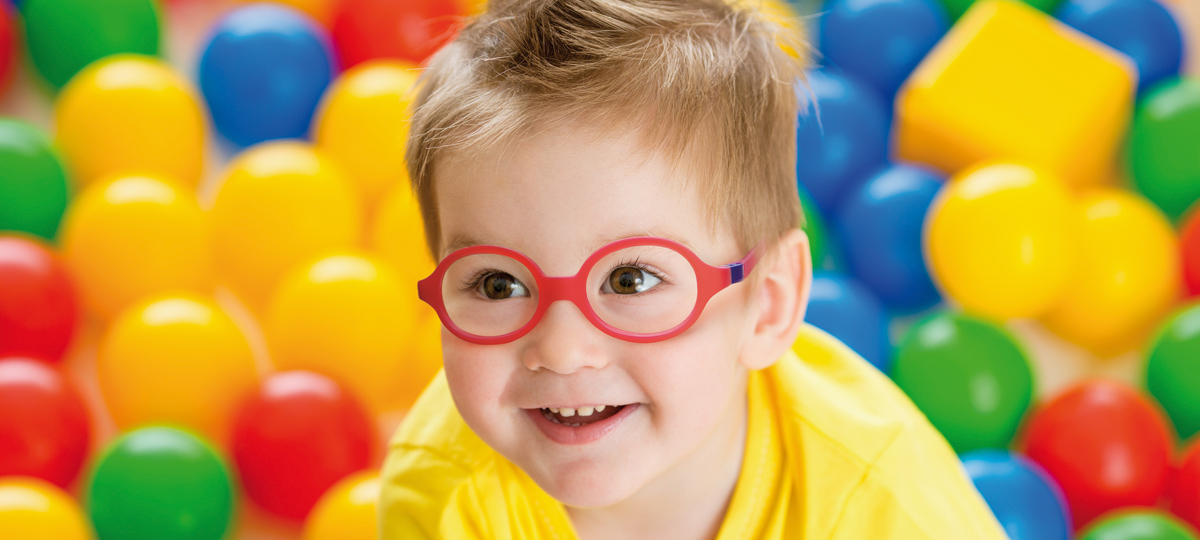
column 1142, row 29
column 880, row 41
column 1026, row 500
column 840, row 141
column 263, row 73
column 849, row 311
column 880, row 226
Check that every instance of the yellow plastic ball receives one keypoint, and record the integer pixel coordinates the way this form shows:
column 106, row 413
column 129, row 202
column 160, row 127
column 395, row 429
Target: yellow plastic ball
column 347, row 510
column 422, row 363
column 130, row 114
column 398, row 236
column 281, row 204
column 363, row 124
column 33, row 509
column 175, row 359
column 345, row 316
column 1127, row 277
column 1001, row 240
column 127, row 238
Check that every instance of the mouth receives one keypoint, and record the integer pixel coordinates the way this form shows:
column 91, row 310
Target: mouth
column 581, row 425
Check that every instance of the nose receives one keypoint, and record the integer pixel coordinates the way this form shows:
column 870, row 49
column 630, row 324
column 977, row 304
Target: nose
column 564, row 342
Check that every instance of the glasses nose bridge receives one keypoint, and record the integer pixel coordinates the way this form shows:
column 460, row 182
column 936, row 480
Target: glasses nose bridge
column 565, row 288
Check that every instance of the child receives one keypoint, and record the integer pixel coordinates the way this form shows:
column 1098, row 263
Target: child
column 636, row 158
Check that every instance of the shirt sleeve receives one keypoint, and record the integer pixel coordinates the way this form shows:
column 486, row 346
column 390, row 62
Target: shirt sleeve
column 416, row 488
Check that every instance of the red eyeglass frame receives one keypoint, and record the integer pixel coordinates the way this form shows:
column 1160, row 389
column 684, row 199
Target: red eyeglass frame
column 710, row 280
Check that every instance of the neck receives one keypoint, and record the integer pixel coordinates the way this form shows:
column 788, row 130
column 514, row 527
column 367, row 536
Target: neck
column 686, row 502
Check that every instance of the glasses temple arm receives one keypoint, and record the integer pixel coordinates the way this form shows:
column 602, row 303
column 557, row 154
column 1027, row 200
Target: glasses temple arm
column 739, row 270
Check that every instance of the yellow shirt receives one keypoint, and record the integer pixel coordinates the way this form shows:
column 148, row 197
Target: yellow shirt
column 834, row 451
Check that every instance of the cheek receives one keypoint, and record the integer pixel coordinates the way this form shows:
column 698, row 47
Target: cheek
column 476, row 375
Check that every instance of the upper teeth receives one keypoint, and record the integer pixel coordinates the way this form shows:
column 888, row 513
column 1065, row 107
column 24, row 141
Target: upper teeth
column 583, row 411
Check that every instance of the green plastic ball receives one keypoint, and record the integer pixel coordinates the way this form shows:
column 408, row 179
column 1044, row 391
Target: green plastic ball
column 818, row 236
column 957, row 7
column 1137, row 525
column 968, row 376
column 33, row 184
column 163, row 483
column 65, row 35
column 1173, row 370
column 1164, row 156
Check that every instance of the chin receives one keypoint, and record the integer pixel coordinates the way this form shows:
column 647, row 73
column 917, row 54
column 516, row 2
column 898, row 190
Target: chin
column 588, row 486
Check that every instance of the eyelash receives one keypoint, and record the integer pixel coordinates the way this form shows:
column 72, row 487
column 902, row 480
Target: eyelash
column 473, row 282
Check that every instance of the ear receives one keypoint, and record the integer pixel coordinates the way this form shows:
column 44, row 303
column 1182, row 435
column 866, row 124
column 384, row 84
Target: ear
column 781, row 296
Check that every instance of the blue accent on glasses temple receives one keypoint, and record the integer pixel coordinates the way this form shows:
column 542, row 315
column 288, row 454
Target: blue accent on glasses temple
column 735, row 273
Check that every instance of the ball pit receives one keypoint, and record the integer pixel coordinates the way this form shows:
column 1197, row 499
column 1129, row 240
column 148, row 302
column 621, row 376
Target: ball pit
column 1053, row 100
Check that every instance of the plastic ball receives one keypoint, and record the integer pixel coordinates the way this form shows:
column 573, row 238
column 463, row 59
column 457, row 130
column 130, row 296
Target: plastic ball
column 44, row 426
column 8, row 49
column 1145, row 524
column 363, row 124
column 849, row 311
column 880, row 224
column 347, row 510
column 175, row 359
column 263, row 72
column 423, row 362
column 1001, row 240
column 33, row 186
column 1172, row 370
column 969, row 376
column 1165, row 165
column 295, row 437
column 841, row 138
column 880, row 41
column 38, row 306
column 65, row 35
column 281, row 204
column 398, row 236
column 1185, row 493
column 412, row 30
column 127, row 238
column 1127, row 276
column 31, row 509
column 1105, row 445
column 130, row 114
column 1189, row 240
column 1025, row 500
column 820, row 245
column 160, row 482
column 321, row 11
column 346, row 316
column 1142, row 29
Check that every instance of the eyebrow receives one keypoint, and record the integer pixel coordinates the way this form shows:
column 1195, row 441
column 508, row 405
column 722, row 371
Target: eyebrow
column 462, row 241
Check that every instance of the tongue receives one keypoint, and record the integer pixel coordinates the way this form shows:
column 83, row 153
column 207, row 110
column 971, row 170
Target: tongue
column 585, row 420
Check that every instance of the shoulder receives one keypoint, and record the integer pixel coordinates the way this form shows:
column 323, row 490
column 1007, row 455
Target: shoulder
column 859, row 436
column 430, row 457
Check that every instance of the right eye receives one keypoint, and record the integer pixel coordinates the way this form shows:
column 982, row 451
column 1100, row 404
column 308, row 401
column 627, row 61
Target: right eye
column 500, row 285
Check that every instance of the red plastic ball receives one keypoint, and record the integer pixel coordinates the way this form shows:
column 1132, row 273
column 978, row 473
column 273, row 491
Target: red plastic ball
column 1189, row 240
column 299, row 434
column 44, row 426
column 402, row 29
column 8, row 54
column 1185, row 492
column 1105, row 444
column 39, row 308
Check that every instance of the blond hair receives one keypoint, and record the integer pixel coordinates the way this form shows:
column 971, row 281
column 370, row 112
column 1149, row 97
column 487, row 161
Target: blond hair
column 712, row 84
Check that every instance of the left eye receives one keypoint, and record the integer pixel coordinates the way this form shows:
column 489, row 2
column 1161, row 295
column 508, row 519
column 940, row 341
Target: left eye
column 631, row 280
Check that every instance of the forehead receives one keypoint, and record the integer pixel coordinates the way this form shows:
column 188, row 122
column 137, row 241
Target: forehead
column 560, row 193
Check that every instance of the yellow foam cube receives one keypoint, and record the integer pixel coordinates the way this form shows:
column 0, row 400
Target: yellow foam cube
column 1010, row 82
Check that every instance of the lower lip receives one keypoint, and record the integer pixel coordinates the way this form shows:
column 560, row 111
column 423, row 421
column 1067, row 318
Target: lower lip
column 590, row 433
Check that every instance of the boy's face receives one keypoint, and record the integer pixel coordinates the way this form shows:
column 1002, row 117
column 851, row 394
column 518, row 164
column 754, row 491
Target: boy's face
column 557, row 197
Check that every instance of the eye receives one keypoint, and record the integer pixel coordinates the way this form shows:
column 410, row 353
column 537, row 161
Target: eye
column 499, row 285
column 631, row 280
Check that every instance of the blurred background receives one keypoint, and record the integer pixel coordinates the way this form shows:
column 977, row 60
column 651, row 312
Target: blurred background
column 208, row 253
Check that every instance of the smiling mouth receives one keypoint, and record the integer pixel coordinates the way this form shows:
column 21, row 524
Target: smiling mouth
column 581, row 416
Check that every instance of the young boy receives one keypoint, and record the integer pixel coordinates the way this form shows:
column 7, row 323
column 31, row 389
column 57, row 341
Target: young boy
column 636, row 158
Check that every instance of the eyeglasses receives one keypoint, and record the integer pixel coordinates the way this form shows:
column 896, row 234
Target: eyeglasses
column 641, row 289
